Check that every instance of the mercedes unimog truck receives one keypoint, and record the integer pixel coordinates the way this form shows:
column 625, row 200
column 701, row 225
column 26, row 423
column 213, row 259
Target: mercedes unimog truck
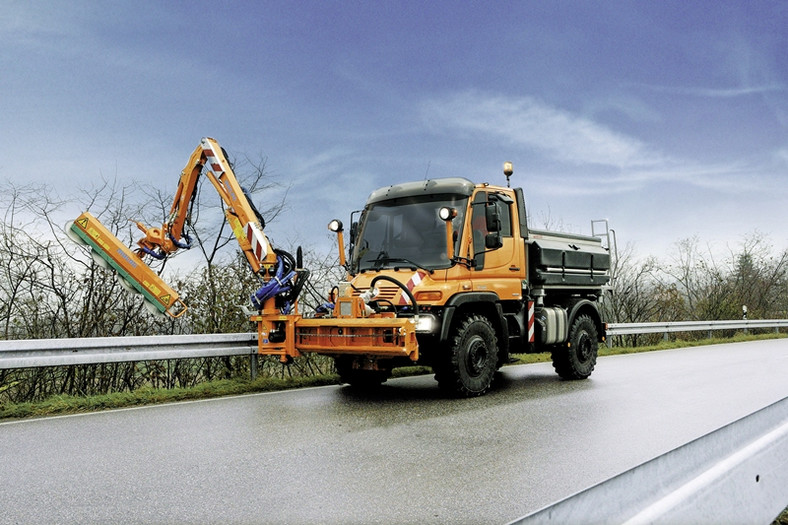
column 443, row 272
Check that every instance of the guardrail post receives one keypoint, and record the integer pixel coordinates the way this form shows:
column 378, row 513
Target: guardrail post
column 253, row 366
column 665, row 337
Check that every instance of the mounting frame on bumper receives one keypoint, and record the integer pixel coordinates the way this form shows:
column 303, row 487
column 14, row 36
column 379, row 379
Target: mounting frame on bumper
column 289, row 336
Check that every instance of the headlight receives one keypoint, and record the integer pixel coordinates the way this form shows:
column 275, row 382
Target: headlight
column 426, row 323
column 447, row 214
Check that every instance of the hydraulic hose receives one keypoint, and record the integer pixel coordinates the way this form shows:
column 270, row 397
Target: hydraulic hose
column 182, row 245
column 278, row 284
column 402, row 286
column 281, row 284
column 153, row 253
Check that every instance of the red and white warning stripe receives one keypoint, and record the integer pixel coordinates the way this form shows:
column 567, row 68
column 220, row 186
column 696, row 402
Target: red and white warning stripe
column 412, row 283
column 212, row 158
column 257, row 240
column 530, row 321
column 254, row 235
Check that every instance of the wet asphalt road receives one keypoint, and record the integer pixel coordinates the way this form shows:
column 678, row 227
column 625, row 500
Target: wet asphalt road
column 402, row 455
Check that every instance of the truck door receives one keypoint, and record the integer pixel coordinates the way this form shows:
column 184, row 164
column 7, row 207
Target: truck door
column 496, row 269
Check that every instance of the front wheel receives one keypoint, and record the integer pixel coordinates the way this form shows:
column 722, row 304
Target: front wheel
column 576, row 359
column 468, row 366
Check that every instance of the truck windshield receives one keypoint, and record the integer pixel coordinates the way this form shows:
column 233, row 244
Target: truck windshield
column 406, row 232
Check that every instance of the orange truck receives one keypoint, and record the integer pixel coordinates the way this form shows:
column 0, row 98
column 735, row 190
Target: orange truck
column 444, row 273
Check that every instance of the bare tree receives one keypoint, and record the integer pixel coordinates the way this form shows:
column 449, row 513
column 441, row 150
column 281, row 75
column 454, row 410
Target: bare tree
column 713, row 288
column 757, row 277
column 638, row 295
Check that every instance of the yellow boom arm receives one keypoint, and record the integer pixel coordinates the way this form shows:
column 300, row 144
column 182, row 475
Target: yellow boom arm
column 209, row 157
column 242, row 217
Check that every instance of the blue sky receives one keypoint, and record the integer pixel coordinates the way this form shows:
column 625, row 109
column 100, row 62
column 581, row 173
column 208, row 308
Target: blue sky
column 668, row 118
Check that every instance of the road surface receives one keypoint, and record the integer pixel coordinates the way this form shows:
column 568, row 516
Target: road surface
column 402, row 455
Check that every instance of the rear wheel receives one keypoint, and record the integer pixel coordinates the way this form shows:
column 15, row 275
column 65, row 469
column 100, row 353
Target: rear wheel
column 468, row 366
column 576, row 359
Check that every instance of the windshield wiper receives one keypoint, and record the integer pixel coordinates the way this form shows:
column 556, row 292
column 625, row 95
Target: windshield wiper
column 383, row 259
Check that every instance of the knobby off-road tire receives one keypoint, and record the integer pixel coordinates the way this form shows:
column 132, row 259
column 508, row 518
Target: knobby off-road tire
column 471, row 358
column 577, row 359
column 357, row 378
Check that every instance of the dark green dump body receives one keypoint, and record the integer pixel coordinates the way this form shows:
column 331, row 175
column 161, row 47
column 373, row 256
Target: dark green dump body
column 567, row 260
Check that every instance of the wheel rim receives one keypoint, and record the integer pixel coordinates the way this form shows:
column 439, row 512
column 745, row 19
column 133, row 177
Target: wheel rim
column 476, row 357
column 584, row 347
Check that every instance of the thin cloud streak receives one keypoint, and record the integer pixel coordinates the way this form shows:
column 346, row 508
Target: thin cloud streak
column 743, row 91
column 565, row 136
column 623, row 163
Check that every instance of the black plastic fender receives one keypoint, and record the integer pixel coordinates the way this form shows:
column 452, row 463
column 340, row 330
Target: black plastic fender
column 590, row 308
column 490, row 300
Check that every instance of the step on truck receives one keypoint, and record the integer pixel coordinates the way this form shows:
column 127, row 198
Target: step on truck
column 444, row 273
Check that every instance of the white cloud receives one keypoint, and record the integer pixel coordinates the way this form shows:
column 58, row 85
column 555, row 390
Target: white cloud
column 322, row 165
column 614, row 163
column 558, row 133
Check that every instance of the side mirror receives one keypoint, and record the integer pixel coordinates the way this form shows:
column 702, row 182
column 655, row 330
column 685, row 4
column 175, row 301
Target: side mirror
column 492, row 215
column 493, row 241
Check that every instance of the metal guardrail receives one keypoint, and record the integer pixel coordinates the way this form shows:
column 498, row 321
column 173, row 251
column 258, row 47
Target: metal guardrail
column 736, row 474
column 666, row 328
column 693, row 326
column 28, row 353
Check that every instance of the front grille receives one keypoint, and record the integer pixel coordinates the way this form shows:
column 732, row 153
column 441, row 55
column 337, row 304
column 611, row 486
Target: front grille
column 384, row 292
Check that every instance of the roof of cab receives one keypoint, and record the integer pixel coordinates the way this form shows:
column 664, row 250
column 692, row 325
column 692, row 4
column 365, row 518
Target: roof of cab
column 451, row 185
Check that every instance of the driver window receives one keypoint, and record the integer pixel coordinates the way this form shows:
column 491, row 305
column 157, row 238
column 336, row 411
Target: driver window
column 479, row 226
column 506, row 219
column 478, row 229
